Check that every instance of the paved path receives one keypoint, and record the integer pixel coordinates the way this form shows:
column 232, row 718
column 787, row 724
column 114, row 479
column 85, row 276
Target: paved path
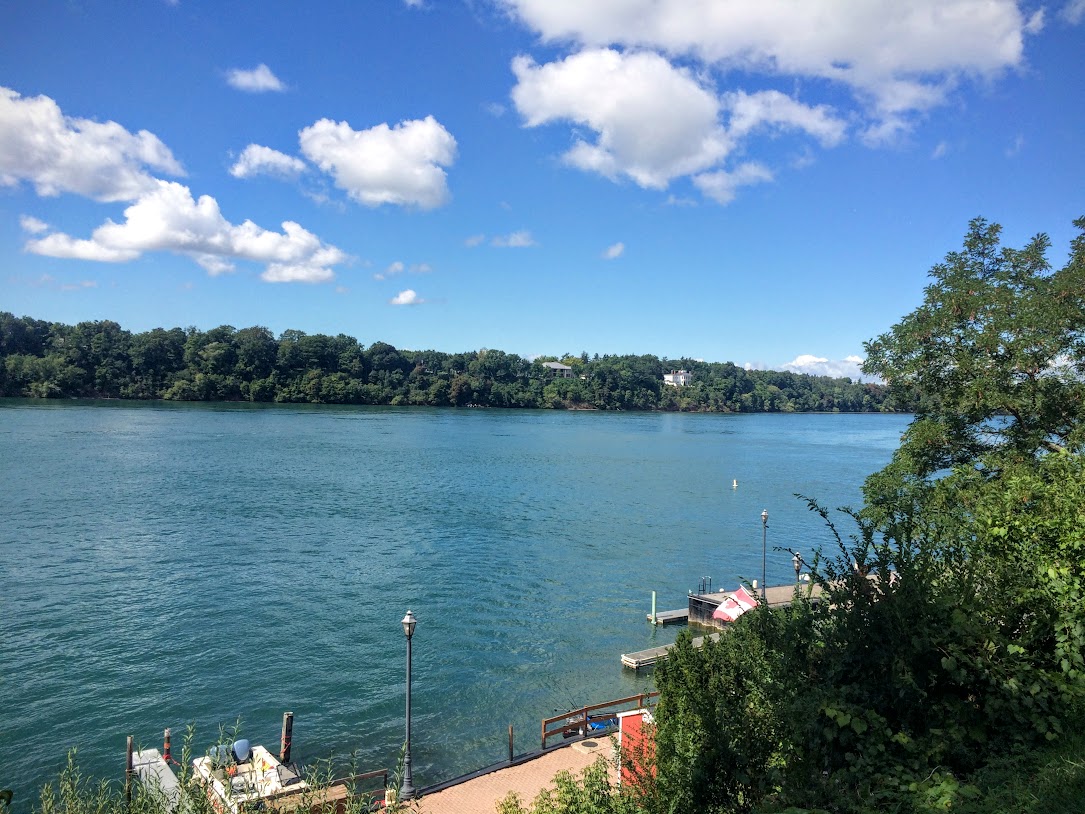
column 481, row 795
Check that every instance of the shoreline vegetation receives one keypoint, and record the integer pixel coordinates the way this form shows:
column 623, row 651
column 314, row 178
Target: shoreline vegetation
column 955, row 680
column 100, row 359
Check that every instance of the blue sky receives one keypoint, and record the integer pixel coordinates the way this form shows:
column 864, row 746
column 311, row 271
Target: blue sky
column 761, row 182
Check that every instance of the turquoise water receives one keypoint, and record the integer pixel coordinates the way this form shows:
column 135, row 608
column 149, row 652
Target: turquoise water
column 165, row 565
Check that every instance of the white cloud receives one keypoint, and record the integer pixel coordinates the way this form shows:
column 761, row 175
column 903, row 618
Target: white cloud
column 168, row 219
column 59, row 154
column 407, row 297
column 722, row 186
column 420, row 268
column 884, row 50
column 940, row 150
column 849, row 366
column 258, row 160
column 614, row 252
column 32, row 225
column 474, row 240
column 1035, row 23
column 384, row 165
column 1073, row 12
column 257, row 80
column 652, row 122
column 393, row 269
column 516, row 240
column 774, row 110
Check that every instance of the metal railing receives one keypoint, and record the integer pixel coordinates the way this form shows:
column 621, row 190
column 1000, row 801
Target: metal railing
column 578, row 722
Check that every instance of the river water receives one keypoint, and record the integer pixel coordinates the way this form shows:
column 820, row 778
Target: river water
column 167, row 565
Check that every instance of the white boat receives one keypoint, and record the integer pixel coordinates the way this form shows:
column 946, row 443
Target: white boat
column 236, row 777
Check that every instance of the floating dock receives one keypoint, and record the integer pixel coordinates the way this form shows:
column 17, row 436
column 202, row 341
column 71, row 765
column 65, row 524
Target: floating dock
column 671, row 617
column 699, row 612
column 648, row 658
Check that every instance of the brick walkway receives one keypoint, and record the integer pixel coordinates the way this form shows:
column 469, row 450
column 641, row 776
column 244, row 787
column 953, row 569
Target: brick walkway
column 482, row 794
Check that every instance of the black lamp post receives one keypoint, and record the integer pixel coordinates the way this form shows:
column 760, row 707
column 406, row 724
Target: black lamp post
column 764, row 566
column 406, row 790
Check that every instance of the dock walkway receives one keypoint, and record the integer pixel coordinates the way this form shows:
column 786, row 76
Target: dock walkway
column 647, row 658
column 671, row 617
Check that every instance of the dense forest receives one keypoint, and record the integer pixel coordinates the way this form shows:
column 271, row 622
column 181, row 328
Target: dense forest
column 100, row 359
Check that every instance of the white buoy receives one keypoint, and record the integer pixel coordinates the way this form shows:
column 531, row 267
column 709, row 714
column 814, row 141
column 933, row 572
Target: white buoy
column 734, row 483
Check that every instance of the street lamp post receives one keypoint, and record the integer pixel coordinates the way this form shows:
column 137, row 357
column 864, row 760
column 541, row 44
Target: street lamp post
column 764, row 556
column 406, row 790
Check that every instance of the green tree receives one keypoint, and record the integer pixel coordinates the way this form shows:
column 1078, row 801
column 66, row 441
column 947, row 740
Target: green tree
column 996, row 353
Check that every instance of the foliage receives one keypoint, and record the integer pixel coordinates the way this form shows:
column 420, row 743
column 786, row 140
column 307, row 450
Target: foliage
column 995, row 358
column 99, row 359
column 721, row 729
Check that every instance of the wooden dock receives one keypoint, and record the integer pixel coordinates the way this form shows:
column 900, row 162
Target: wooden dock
column 647, row 658
column 155, row 774
column 671, row 617
column 699, row 612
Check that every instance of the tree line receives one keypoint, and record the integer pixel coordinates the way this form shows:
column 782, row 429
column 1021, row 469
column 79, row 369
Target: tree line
column 943, row 668
column 100, row 359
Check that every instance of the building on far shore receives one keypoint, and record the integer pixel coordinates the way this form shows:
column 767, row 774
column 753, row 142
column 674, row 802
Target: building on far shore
column 677, row 378
column 560, row 371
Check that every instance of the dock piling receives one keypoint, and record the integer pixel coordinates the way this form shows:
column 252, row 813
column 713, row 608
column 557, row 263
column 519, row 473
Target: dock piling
column 510, row 744
column 128, row 771
column 287, row 737
column 653, row 607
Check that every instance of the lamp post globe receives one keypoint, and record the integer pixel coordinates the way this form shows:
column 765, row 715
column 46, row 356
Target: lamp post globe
column 406, row 790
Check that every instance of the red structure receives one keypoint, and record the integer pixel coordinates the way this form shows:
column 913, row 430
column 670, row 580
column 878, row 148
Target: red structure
column 637, row 745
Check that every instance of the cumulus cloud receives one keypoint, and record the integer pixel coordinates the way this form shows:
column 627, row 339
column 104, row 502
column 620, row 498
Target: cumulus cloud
column 770, row 109
column 849, row 366
column 58, row 154
column 384, row 165
column 652, row 121
column 407, row 297
column 258, row 160
column 614, row 252
column 894, row 56
column 515, row 240
column 257, row 80
column 722, row 185
column 32, row 225
column 169, row 219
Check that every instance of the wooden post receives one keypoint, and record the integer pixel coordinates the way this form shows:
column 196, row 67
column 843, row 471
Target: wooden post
column 288, row 735
column 166, row 755
column 510, row 743
column 654, row 608
column 128, row 771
